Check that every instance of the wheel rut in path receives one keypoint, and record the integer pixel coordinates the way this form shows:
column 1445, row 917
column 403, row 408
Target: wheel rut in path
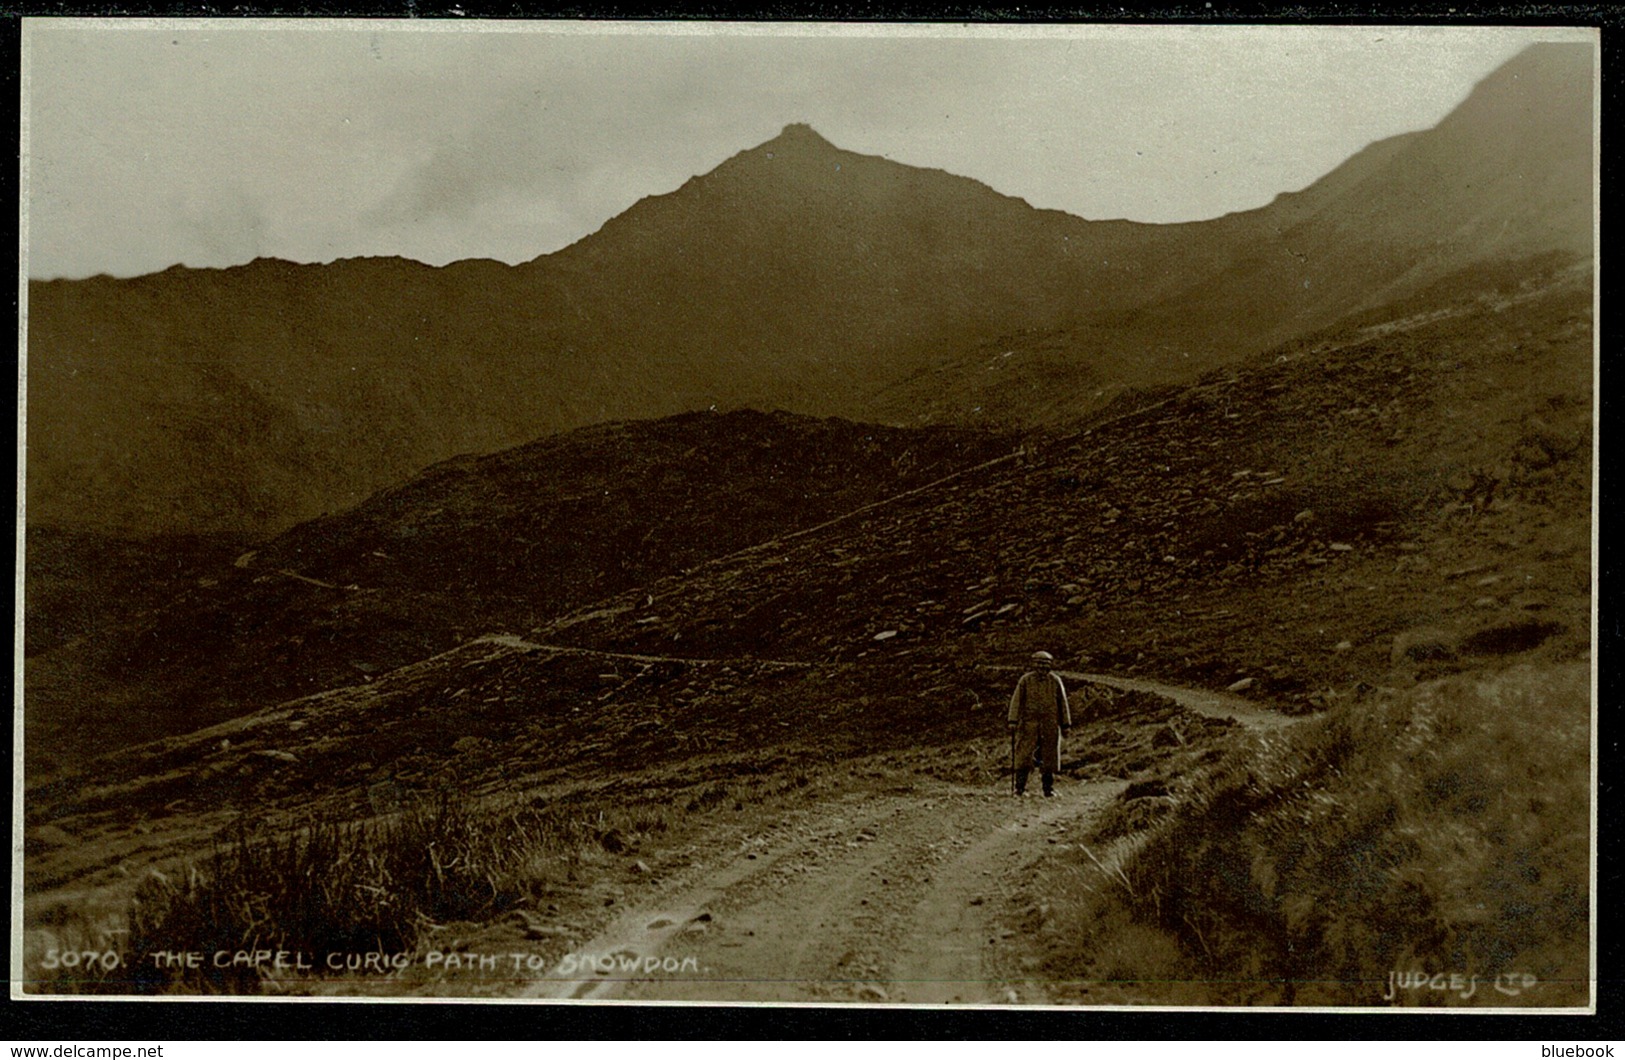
column 874, row 897
column 954, row 952
column 883, row 898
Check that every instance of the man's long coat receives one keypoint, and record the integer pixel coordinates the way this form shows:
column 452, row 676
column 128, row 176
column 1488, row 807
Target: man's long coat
column 1039, row 711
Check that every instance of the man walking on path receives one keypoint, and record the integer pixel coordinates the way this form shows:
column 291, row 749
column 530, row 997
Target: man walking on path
column 1039, row 714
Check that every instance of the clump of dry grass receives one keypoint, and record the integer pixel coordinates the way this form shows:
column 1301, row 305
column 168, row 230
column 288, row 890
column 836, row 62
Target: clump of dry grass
column 336, row 884
column 1442, row 829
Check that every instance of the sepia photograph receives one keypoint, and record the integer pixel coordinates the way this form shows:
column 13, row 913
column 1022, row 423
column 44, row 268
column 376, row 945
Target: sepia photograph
column 860, row 515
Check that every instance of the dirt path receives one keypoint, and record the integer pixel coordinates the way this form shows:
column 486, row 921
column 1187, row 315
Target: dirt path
column 868, row 898
column 1200, row 700
column 508, row 640
column 871, row 897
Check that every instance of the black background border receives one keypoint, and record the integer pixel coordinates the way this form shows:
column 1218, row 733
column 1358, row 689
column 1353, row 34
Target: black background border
column 52, row 1021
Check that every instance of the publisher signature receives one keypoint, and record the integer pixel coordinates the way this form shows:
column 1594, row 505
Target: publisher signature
column 1464, row 986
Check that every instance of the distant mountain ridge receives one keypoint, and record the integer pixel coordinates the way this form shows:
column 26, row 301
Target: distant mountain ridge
column 795, row 275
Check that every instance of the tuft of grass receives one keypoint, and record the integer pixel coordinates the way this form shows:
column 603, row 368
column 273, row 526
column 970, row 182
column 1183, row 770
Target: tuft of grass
column 710, row 799
column 338, row 885
column 341, row 885
column 1443, row 829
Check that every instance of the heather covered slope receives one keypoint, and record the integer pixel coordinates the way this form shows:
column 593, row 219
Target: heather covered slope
column 795, row 275
column 80, row 584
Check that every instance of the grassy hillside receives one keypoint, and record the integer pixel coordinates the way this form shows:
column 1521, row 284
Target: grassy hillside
column 1438, row 830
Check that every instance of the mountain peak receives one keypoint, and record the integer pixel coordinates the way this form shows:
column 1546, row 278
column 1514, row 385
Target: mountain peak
column 798, row 143
column 798, row 136
column 797, row 149
column 795, row 139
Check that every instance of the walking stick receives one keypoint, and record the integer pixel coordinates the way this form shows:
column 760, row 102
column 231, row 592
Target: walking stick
column 1013, row 761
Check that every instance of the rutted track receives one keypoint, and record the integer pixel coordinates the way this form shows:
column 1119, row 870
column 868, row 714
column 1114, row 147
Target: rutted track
column 888, row 897
column 883, row 898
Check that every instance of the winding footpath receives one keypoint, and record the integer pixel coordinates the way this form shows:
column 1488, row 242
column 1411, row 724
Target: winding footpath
column 876, row 897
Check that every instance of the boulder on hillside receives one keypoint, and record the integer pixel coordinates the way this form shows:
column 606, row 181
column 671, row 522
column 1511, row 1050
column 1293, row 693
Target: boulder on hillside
column 1423, row 645
column 1167, row 736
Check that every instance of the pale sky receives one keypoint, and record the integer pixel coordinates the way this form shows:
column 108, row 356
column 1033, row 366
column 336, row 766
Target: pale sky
column 212, row 143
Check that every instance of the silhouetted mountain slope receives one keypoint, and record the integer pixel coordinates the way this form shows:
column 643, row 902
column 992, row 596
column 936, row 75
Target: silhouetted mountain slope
column 1506, row 177
column 795, row 275
column 475, row 544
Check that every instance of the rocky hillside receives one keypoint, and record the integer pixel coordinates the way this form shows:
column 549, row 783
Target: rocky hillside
column 470, row 546
column 1416, row 485
column 1402, row 498
column 795, row 275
